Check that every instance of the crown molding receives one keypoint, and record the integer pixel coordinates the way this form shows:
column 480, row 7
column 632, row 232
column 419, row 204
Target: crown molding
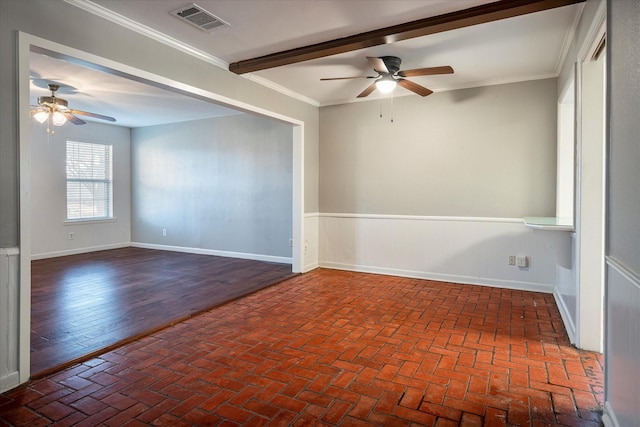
column 470, row 85
column 139, row 28
column 568, row 39
column 271, row 85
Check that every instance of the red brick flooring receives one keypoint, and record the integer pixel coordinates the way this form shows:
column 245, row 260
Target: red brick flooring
column 336, row 348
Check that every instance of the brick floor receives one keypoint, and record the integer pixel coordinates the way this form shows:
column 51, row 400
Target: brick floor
column 336, row 348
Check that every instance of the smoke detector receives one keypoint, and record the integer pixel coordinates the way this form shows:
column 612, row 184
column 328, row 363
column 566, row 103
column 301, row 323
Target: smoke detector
column 198, row 17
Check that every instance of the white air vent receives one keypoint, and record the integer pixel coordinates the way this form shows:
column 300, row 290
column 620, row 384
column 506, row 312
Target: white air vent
column 197, row 16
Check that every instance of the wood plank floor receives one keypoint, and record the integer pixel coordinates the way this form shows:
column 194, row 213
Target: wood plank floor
column 85, row 303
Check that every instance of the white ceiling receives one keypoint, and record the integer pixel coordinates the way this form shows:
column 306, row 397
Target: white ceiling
column 516, row 49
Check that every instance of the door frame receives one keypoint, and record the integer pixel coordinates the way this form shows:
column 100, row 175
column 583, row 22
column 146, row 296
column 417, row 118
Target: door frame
column 27, row 42
column 590, row 299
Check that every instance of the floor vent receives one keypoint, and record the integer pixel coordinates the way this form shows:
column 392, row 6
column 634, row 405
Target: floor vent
column 197, row 16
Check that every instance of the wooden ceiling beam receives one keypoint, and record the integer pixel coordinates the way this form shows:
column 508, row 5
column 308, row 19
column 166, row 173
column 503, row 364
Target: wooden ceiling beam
column 436, row 24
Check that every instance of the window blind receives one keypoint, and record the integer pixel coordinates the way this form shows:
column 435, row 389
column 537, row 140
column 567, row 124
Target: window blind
column 89, row 180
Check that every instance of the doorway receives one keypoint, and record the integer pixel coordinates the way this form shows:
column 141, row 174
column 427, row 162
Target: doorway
column 25, row 45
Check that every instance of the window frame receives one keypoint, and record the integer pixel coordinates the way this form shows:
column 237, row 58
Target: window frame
column 101, row 174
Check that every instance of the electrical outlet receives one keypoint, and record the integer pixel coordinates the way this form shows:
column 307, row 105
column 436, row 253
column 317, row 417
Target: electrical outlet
column 522, row 261
column 512, row 260
column 290, row 243
column 164, row 232
column 306, row 246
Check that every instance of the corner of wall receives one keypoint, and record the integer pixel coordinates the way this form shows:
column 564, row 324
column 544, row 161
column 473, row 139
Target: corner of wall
column 9, row 318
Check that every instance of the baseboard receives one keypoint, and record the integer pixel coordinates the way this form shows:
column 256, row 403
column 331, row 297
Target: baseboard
column 609, row 417
column 311, row 266
column 9, row 381
column 465, row 280
column 228, row 254
column 79, row 251
column 566, row 318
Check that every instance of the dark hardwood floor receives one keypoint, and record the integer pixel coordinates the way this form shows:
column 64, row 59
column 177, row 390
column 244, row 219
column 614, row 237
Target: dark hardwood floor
column 84, row 304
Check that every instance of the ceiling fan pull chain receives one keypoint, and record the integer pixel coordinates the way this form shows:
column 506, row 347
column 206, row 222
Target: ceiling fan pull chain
column 392, row 107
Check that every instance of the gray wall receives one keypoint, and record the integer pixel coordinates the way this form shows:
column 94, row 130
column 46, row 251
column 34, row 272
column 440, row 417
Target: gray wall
column 222, row 184
column 486, row 152
column 622, row 292
column 49, row 233
column 624, row 149
column 63, row 23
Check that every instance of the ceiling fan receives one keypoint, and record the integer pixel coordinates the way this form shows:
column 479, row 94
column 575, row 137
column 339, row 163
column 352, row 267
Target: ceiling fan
column 390, row 75
column 58, row 112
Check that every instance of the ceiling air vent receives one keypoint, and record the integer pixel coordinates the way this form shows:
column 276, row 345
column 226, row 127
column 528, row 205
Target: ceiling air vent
column 197, row 16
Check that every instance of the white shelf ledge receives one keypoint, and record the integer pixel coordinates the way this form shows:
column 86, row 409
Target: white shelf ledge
column 549, row 223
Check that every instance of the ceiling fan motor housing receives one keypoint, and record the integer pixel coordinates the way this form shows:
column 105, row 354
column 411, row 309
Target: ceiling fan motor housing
column 392, row 63
column 52, row 100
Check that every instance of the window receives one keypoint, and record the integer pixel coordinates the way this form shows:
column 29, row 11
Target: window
column 89, row 181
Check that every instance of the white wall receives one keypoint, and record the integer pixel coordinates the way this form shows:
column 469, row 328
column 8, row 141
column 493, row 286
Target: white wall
column 49, row 232
column 9, row 270
column 221, row 184
column 566, row 154
column 463, row 250
column 311, row 242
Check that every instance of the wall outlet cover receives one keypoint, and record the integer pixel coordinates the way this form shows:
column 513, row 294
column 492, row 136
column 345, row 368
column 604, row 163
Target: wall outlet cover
column 522, row 261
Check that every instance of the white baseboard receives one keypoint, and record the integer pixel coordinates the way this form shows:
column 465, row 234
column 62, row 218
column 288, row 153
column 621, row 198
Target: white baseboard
column 9, row 381
column 566, row 317
column 79, row 251
column 312, row 266
column 609, row 417
column 228, row 254
column 465, row 280
column 256, row 257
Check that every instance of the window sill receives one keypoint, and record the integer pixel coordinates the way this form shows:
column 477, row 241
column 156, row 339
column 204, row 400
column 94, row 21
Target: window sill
column 88, row 221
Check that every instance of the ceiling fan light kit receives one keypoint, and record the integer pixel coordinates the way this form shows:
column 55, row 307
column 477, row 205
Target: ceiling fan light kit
column 50, row 116
column 56, row 111
column 58, row 118
column 41, row 116
column 386, row 84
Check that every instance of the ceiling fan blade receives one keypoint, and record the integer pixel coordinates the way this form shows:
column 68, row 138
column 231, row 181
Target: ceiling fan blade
column 73, row 119
column 378, row 64
column 429, row 71
column 368, row 90
column 94, row 115
column 348, row 78
column 414, row 87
